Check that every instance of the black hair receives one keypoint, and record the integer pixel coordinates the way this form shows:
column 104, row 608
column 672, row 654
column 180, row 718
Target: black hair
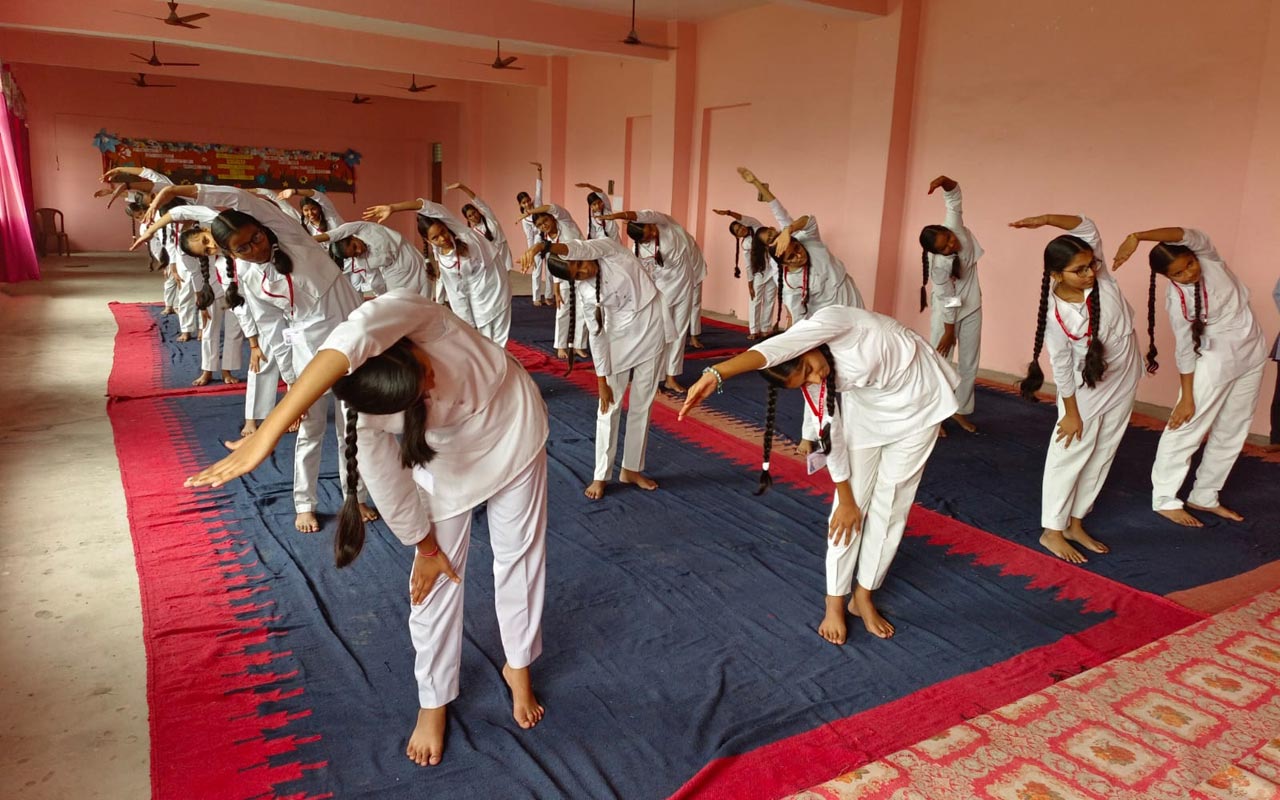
column 338, row 252
column 636, row 231
column 759, row 252
column 133, row 209
column 388, row 383
column 737, row 249
column 1057, row 254
column 226, row 224
column 1160, row 258
column 204, row 297
column 522, row 196
column 324, row 219
column 928, row 243
column 591, row 220
column 804, row 279
column 776, row 376
column 488, row 234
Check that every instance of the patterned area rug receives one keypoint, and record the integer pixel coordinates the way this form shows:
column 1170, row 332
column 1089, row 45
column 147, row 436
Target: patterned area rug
column 1195, row 714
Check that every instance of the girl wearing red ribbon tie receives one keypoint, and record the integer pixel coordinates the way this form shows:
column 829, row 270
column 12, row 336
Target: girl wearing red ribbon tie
column 1087, row 326
column 1220, row 356
column 878, row 392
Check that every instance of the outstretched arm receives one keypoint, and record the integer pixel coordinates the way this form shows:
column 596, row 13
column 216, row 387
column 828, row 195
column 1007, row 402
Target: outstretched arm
column 724, row 212
column 762, row 189
column 319, row 376
column 380, row 213
column 593, row 188
column 1064, row 221
column 1130, row 243
column 630, row 216
column 168, row 193
column 462, row 187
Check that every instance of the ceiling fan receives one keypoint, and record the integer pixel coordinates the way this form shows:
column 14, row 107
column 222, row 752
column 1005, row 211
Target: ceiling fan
column 499, row 62
column 413, row 86
column 174, row 17
column 141, row 83
column 356, row 99
column 632, row 38
column 156, row 62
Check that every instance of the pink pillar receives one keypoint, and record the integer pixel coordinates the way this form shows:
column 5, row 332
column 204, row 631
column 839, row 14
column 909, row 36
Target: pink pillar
column 559, row 129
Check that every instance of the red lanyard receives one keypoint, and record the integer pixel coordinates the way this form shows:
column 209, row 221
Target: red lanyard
column 269, row 293
column 1204, row 310
column 821, row 407
column 1088, row 334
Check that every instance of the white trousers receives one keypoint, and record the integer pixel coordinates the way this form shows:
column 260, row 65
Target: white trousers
column 695, row 314
column 673, row 358
column 643, row 380
column 260, row 390
column 229, row 357
column 498, row 329
column 1073, row 475
column 1223, row 414
column 188, row 314
column 307, row 452
column 541, row 280
column 965, row 354
column 884, row 484
column 170, row 291
column 761, row 315
column 517, row 534
column 562, row 321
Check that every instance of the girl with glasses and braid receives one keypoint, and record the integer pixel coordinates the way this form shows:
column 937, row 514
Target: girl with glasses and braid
column 631, row 326
column 440, row 420
column 879, row 393
column 949, row 264
column 1220, row 356
column 1087, row 326
column 297, row 296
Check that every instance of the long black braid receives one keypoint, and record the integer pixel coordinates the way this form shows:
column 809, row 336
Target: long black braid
column 1031, row 384
column 776, row 376
column 1095, row 357
column 737, row 249
column 1153, row 366
column 1161, row 258
column 349, row 541
column 204, row 297
column 1197, row 321
column 928, row 244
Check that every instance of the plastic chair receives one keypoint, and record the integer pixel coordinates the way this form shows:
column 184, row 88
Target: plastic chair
column 49, row 222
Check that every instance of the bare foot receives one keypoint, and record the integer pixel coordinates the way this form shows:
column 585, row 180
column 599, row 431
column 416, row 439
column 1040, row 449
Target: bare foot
column 964, row 422
column 561, row 353
column 228, row 377
column 250, row 427
column 833, row 627
column 306, row 522
column 580, row 353
column 524, row 705
column 426, row 743
column 672, row 385
column 183, row 337
column 942, row 431
column 627, row 476
column 696, row 343
column 1218, row 510
column 367, row 514
column 805, row 447
column 862, row 607
column 595, row 490
column 751, row 337
column 1075, row 532
column 1181, row 517
column 167, row 311
column 1055, row 542
column 203, row 378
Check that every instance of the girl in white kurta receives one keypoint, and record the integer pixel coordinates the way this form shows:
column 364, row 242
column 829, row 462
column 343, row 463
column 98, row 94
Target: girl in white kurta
column 297, row 296
column 1220, row 354
column 473, row 431
column 210, row 300
column 475, row 280
column 483, row 221
column 762, row 273
column 1087, row 326
column 179, row 296
column 950, row 267
column 542, row 286
column 318, row 214
column 675, row 261
column 879, row 391
column 598, row 206
column 381, row 255
column 556, row 225
column 632, row 325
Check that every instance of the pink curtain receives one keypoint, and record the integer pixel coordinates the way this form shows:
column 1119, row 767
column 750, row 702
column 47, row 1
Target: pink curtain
column 17, row 245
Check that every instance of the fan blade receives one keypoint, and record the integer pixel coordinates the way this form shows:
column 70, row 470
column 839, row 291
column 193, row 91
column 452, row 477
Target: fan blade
column 511, row 68
column 508, row 61
column 136, row 14
column 192, row 17
column 143, row 59
column 185, row 25
column 178, row 64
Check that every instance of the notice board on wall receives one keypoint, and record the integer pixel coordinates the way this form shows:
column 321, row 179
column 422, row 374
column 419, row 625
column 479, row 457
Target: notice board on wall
column 234, row 165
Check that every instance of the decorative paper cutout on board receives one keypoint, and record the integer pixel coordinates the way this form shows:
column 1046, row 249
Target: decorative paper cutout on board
column 233, row 165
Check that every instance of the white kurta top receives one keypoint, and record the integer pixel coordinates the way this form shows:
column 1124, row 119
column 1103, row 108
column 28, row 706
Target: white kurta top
column 1066, row 338
column 682, row 267
column 531, row 232
column 770, row 272
column 947, row 288
column 485, row 417
column 637, row 319
column 495, row 229
column 892, row 383
column 390, row 262
column 829, row 282
column 204, row 216
column 602, row 229
column 331, row 215
column 477, row 283
column 1232, row 343
column 294, row 312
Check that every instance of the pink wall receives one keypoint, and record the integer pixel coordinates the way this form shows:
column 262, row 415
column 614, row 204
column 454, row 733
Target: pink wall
column 68, row 106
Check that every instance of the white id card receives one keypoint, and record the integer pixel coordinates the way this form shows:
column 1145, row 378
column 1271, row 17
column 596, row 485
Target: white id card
column 290, row 336
column 952, row 302
column 816, row 462
column 423, row 477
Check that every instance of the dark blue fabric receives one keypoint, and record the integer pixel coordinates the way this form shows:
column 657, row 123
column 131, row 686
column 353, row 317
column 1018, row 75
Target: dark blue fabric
column 680, row 626
column 992, row 481
column 180, row 361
